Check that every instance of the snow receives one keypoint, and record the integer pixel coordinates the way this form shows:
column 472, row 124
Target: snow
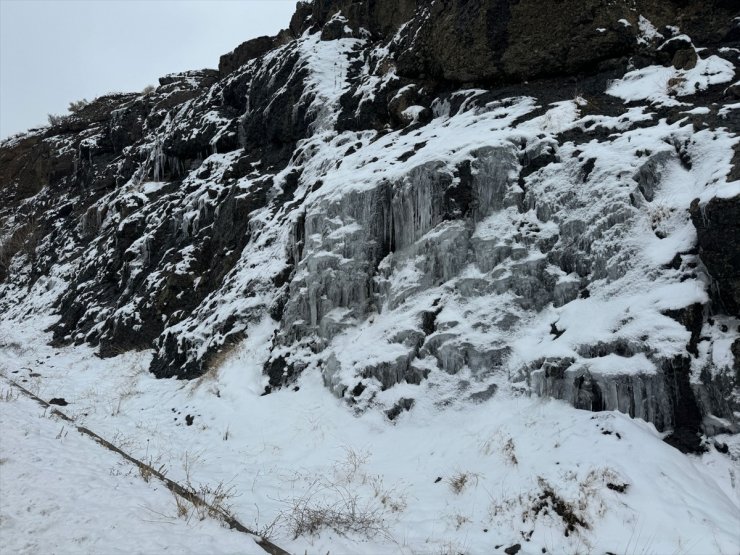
column 648, row 32
column 493, row 459
column 659, row 84
column 329, row 66
column 446, row 138
column 62, row 493
column 727, row 108
column 412, row 113
column 151, row 187
column 616, row 364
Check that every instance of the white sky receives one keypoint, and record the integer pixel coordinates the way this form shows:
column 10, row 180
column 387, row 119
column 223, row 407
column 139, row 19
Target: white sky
column 55, row 51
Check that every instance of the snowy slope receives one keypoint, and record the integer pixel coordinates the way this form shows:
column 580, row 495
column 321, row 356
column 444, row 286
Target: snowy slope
column 64, row 494
column 450, row 477
column 400, row 302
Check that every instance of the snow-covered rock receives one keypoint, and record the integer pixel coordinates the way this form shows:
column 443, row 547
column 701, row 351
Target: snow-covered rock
column 401, row 209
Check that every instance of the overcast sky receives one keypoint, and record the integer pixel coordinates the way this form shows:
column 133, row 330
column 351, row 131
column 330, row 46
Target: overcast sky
column 55, row 51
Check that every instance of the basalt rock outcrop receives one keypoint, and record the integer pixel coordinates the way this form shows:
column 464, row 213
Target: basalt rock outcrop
column 412, row 193
column 718, row 228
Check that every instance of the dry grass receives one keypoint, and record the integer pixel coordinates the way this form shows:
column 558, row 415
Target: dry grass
column 146, row 472
column 333, row 507
column 452, row 548
column 9, row 395
column 182, row 506
column 391, row 500
column 208, row 501
column 460, row 480
column 346, row 501
column 502, row 442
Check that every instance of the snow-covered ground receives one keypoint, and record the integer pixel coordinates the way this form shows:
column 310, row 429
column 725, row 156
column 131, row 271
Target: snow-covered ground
column 62, row 493
column 446, row 477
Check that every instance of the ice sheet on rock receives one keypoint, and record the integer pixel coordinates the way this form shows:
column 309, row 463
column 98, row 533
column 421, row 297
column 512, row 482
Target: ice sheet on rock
column 328, row 65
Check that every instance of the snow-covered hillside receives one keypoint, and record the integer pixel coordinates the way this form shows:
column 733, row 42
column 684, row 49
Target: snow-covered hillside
column 300, row 467
column 437, row 279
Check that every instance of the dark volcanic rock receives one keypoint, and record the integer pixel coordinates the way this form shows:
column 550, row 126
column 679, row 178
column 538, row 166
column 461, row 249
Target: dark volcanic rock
column 498, row 40
column 718, row 228
column 382, row 18
column 456, row 159
column 245, row 52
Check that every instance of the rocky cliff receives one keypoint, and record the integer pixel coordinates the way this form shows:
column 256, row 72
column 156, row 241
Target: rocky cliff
column 499, row 193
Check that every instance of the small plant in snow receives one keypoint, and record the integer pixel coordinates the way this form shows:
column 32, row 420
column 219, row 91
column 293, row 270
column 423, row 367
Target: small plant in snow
column 504, row 442
column 182, row 505
column 460, row 521
column 510, row 452
column 267, row 530
column 337, row 502
column 150, row 469
column 348, row 469
column 451, row 548
column 9, row 395
column 460, row 480
column 217, row 500
column 392, row 501
column 146, row 473
column 334, row 507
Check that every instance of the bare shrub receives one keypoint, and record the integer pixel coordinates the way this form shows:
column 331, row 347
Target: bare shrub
column 549, row 501
column 11, row 344
column 217, row 500
column 78, row 105
column 150, row 468
column 346, row 501
column 349, row 468
column 267, row 530
column 340, row 510
column 207, row 500
column 149, row 89
column 55, row 120
column 451, row 548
